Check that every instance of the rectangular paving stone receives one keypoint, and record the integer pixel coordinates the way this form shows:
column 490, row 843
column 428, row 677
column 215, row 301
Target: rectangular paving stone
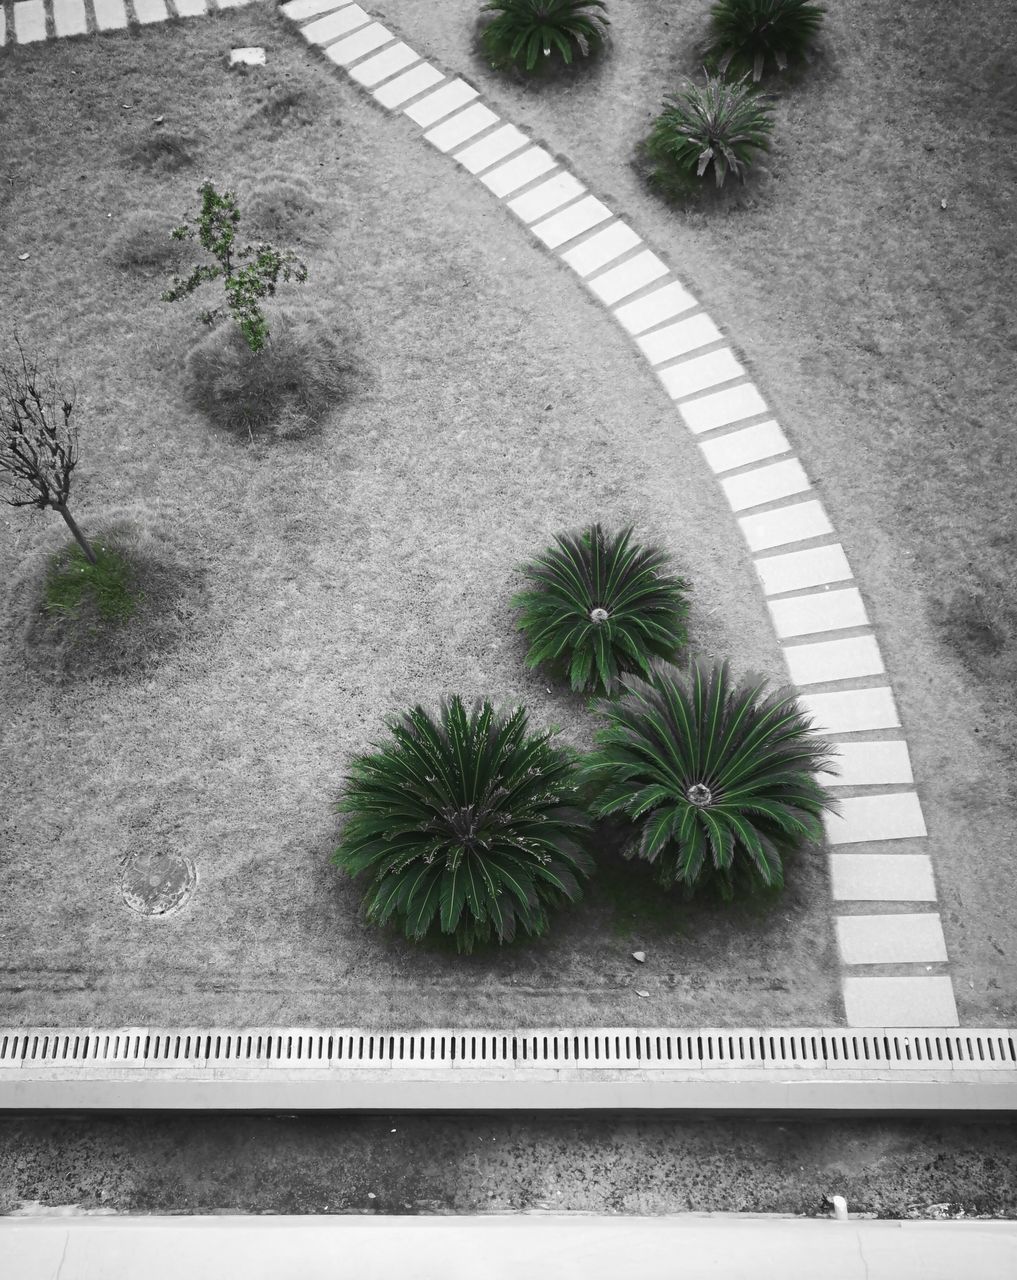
column 864, row 764
column 795, row 570
column 550, row 195
column 110, row 15
column 518, row 171
column 602, row 248
column 333, row 25
column 677, row 339
column 700, row 373
column 620, row 281
column 794, row 523
column 900, row 1002
column 765, row 484
column 189, row 8
column 851, row 710
column 69, row 17
column 739, row 448
column 897, row 816
column 891, row 939
column 3, row 27
column 232, row 4
column 571, row 222
column 373, row 70
column 147, row 11
column 349, row 49
column 298, row 10
column 723, row 408
column 823, row 611
column 488, row 151
column 408, row 85
column 460, row 128
column 882, row 877
column 636, row 317
column 29, row 21
column 828, row 660
column 450, row 97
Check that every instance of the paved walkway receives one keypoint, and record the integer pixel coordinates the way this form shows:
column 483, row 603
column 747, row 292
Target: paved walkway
column 881, row 874
column 497, row 1248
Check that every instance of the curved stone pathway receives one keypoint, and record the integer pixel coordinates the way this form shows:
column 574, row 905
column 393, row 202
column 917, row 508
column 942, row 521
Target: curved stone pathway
column 878, row 854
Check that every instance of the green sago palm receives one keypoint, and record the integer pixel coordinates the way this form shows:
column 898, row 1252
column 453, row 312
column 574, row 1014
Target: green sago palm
column 716, row 777
column 717, row 125
column 466, row 825
column 528, row 32
column 746, row 35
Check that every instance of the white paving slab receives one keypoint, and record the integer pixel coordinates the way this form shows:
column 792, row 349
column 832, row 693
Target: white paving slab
column 69, row 17
column 147, row 11
column 700, row 373
column 333, row 25
column 636, row 317
column 552, row 194
column 828, row 660
column 795, row 523
column 408, row 85
column 460, row 128
column 882, row 877
column 765, row 484
column 571, row 222
column 602, row 248
column 865, row 764
column 110, row 15
column 231, row 4
column 891, row 939
column 723, row 408
column 622, row 280
column 824, row 611
column 897, row 816
column 249, row 56
column 3, row 27
column 488, row 151
column 739, row 448
column 298, row 10
column 450, row 97
column 795, row 570
column 678, row 339
column 383, row 65
column 518, row 171
column 29, row 21
column 194, row 9
column 900, row 1002
column 350, row 48
column 852, row 710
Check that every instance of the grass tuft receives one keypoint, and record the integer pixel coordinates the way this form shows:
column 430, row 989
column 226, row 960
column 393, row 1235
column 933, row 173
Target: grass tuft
column 143, row 240
column 75, row 587
column 163, row 151
column 282, row 207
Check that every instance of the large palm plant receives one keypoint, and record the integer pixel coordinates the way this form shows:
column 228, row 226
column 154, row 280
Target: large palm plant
column 596, row 605
column 464, row 825
column 528, row 32
column 717, row 778
column 747, row 34
column 719, row 126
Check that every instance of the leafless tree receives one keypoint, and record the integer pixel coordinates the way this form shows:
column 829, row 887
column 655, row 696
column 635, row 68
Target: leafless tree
column 38, row 440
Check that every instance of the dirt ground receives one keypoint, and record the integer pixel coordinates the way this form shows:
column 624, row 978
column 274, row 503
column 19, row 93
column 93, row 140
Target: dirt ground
column 497, row 403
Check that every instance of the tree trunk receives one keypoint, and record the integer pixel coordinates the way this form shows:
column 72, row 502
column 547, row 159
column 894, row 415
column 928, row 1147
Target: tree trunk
column 82, row 540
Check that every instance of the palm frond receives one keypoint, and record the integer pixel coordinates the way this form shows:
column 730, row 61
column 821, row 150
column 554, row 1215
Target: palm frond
column 747, row 35
column 531, row 33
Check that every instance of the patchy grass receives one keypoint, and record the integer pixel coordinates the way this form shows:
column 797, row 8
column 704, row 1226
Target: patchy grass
column 75, row 586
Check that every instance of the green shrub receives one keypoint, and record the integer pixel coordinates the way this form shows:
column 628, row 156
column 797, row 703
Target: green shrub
column 465, row 825
column 599, row 605
column 530, row 32
column 283, row 391
column 745, row 35
column 717, row 778
column 75, row 587
column 718, row 126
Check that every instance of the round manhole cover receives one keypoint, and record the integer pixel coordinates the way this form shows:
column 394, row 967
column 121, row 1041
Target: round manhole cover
column 156, row 884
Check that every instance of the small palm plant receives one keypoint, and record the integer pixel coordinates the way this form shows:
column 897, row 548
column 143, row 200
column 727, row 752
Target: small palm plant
column 598, row 605
column 745, row 35
column 528, row 32
column 465, row 825
column 718, row 125
column 717, row 777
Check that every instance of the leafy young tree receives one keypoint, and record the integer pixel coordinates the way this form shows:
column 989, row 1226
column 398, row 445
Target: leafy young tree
column 249, row 274
column 38, row 440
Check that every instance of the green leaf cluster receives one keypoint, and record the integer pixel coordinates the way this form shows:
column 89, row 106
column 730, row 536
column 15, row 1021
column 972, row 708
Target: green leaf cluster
column 530, row 32
column 746, row 36
column 718, row 126
column 250, row 273
column 464, row 825
column 716, row 777
column 597, row 605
